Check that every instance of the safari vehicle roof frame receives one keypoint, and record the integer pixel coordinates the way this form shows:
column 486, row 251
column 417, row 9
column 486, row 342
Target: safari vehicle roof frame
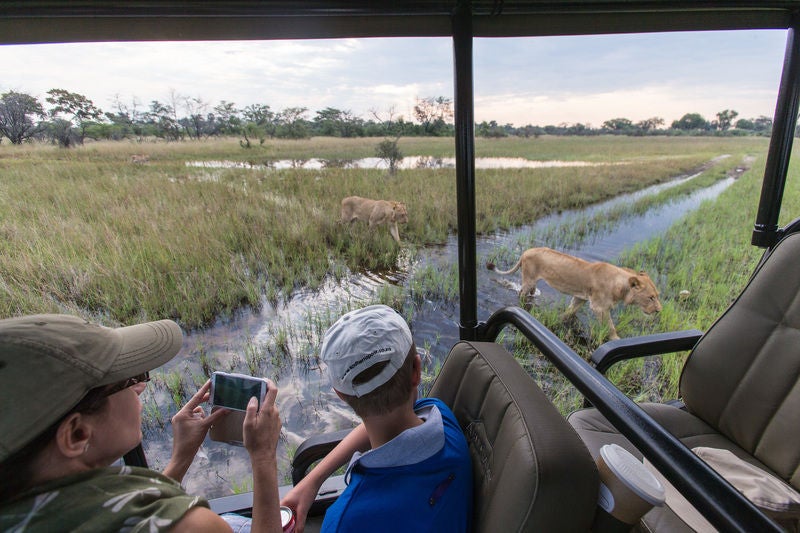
column 765, row 231
column 41, row 21
column 84, row 21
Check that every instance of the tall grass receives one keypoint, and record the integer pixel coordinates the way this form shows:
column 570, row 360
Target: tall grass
column 86, row 231
column 709, row 254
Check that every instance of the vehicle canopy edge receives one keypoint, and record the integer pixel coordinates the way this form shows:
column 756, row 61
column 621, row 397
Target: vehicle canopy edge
column 94, row 21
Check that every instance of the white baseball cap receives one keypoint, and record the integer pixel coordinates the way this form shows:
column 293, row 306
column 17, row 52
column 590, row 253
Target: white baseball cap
column 359, row 340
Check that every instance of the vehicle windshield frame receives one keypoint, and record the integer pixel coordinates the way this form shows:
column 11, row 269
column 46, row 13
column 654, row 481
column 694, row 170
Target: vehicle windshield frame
column 463, row 21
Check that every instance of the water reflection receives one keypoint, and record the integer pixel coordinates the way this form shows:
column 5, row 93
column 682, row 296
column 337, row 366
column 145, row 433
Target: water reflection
column 307, row 404
column 378, row 163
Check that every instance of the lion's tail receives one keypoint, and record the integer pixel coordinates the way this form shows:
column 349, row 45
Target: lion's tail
column 491, row 266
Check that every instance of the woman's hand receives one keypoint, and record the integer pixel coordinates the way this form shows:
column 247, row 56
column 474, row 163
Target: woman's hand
column 262, row 427
column 189, row 428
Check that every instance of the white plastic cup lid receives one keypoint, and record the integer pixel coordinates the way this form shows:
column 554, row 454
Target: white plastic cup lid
column 633, row 473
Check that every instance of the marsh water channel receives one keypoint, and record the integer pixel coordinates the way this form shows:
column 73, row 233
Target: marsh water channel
column 281, row 341
column 410, row 162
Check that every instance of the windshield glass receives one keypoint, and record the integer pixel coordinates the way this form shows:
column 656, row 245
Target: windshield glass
column 204, row 182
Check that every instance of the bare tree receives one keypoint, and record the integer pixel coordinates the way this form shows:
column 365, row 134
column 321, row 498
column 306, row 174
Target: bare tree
column 434, row 113
column 194, row 123
column 392, row 123
column 127, row 116
column 388, row 149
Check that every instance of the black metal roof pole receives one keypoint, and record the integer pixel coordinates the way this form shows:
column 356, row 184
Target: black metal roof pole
column 765, row 231
column 465, row 169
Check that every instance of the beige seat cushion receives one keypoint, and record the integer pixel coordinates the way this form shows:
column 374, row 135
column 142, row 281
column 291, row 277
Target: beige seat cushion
column 770, row 494
column 596, row 431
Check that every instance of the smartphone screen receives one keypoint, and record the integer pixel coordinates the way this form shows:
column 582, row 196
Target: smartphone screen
column 234, row 391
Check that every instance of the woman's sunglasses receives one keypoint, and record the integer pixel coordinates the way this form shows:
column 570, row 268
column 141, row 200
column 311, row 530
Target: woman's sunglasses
column 130, row 382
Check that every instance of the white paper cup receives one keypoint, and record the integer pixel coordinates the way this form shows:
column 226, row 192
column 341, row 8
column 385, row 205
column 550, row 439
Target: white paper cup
column 628, row 490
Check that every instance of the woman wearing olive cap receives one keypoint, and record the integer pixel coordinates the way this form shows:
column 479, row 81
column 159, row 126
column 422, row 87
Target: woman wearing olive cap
column 70, row 395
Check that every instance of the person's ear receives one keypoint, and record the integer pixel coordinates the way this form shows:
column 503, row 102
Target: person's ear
column 416, row 374
column 73, row 434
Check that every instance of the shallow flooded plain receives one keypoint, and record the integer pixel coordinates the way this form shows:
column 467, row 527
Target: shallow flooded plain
column 280, row 341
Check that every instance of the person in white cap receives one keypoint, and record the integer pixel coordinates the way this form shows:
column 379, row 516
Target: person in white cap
column 70, row 390
column 410, row 468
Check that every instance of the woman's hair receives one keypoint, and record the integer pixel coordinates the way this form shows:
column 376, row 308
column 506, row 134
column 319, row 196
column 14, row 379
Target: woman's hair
column 17, row 471
column 388, row 396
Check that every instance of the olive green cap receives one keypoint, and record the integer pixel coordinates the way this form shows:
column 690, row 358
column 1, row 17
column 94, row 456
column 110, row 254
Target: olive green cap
column 49, row 362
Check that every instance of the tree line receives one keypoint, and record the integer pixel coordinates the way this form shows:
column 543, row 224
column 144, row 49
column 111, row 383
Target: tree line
column 688, row 124
column 66, row 118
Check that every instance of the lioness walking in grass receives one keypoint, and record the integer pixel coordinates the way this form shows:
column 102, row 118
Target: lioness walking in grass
column 375, row 212
column 602, row 284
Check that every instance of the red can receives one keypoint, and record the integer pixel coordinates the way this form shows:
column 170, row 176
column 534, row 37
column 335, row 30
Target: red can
column 287, row 519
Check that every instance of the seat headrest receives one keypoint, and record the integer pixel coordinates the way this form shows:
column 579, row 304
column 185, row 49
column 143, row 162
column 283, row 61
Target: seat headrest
column 531, row 470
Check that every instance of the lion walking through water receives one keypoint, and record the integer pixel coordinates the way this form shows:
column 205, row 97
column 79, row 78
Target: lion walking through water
column 375, row 213
column 602, row 284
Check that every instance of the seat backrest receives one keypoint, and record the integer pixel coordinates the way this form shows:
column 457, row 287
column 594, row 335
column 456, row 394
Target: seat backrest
column 531, row 470
column 743, row 376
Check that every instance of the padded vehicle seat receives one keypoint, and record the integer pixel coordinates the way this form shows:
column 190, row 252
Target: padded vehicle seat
column 740, row 384
column 531, row 471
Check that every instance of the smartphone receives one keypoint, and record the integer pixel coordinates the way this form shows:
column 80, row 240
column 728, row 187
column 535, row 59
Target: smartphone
column 229, row 428
column 233, row 391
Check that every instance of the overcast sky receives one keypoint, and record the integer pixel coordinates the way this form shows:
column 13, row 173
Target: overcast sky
column 540, row 81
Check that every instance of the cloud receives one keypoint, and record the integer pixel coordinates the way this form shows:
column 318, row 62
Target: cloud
column 543, row 80
column 590, row 79
column 594, row 108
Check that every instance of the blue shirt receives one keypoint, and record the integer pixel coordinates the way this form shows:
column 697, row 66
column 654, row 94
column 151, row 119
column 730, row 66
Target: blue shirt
column 419, row 481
